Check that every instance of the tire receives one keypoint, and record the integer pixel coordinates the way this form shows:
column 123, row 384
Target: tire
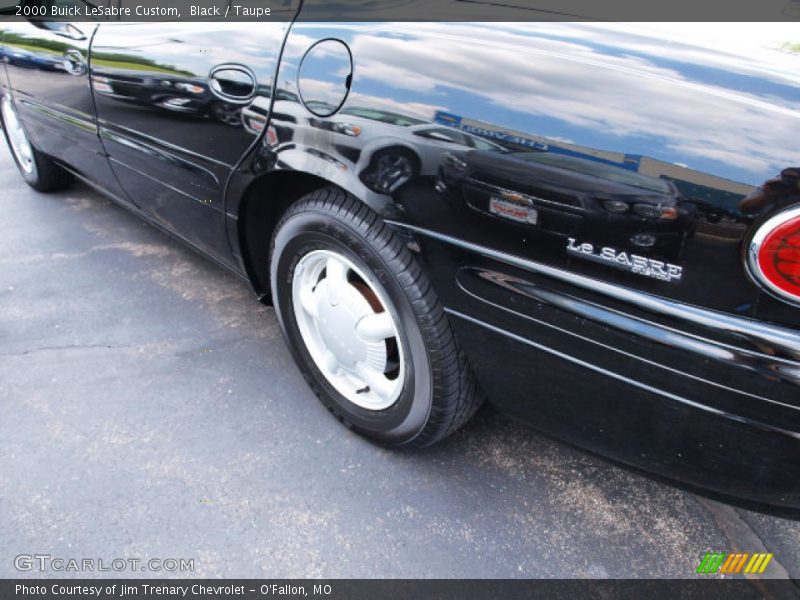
column 38, row 170
column 391, row 168
column 434, row 392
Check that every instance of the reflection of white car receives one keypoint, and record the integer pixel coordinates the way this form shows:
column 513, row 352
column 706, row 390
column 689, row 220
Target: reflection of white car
column 288, row 112
column 386, row 149
column 390, row 149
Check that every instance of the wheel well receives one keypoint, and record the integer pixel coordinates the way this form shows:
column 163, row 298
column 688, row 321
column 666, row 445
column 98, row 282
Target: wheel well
column 264, row 202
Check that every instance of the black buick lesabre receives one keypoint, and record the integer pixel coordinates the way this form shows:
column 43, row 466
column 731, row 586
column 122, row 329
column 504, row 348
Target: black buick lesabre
column 595, row 227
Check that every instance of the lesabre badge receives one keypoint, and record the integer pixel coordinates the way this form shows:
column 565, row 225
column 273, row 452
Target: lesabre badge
column 633, row 263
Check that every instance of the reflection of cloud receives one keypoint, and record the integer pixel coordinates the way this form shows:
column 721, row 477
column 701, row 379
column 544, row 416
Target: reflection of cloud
column 742, row 48
column 618, row 94
column 558, row 138
column 315, row 89
column 251, row 44
column 418, row 110
column 731, row 156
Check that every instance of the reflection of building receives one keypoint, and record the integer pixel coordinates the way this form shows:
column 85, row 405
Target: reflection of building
column 722, row 194
column 515, row 140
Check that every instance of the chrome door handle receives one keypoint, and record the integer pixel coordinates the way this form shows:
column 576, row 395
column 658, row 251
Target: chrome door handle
column 74, row 62
column 233, row 83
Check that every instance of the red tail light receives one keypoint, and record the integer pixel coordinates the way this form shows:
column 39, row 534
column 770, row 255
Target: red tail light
column 774, row 255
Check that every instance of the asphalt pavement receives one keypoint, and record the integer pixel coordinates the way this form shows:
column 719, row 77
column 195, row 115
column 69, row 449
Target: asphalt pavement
column 149, row 408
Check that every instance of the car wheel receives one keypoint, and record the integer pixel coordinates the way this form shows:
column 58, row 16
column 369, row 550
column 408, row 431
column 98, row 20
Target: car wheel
column 391, row 168
column 39, row 171
column 364, row 324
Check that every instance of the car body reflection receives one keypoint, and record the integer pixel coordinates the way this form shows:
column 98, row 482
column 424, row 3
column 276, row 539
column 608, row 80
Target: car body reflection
column 176, row 93
column 571, row 197
column 385, row 149
column 773, row 194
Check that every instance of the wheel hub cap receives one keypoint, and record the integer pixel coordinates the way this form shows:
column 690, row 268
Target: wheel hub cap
column 337, row 325
column 16, row 135
column 348, row 328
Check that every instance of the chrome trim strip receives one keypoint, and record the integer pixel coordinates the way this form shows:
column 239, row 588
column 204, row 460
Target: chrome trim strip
column 209, row 205
column 622, row 378
column 688, row 342
column 62, row 114
column 208, row 177
column 786, row 340
column 110, row 127
column 754, row 269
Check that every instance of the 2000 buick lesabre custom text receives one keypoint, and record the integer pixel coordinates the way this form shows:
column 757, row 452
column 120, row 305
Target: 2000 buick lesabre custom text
column 596, row 227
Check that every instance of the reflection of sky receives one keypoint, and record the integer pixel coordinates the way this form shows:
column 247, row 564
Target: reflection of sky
column 743, row 48
column 731, row 111
column 733, row 71
column 186, row 46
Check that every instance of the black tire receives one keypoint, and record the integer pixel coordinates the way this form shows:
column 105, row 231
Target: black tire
column 45, row 174
column 406, row 167
column 439, row 393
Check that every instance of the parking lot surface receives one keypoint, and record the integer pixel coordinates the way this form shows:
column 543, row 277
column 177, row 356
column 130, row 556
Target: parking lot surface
column 149, row 408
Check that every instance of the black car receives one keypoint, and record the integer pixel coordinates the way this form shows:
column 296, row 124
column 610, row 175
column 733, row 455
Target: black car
column 608, row 259
column 578, row 198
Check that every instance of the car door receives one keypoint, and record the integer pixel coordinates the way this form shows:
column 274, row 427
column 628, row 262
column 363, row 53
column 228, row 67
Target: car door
column 47, row 67
column 169, row 100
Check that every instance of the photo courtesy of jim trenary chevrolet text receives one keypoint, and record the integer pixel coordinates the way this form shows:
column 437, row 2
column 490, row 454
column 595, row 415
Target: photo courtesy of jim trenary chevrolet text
column 399, row 299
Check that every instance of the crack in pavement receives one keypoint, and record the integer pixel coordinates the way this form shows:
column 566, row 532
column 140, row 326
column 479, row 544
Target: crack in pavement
column 744, row 538
column 68, row 347
column 208, row 347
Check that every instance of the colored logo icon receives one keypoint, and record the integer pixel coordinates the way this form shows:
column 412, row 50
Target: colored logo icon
column 734, row 562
